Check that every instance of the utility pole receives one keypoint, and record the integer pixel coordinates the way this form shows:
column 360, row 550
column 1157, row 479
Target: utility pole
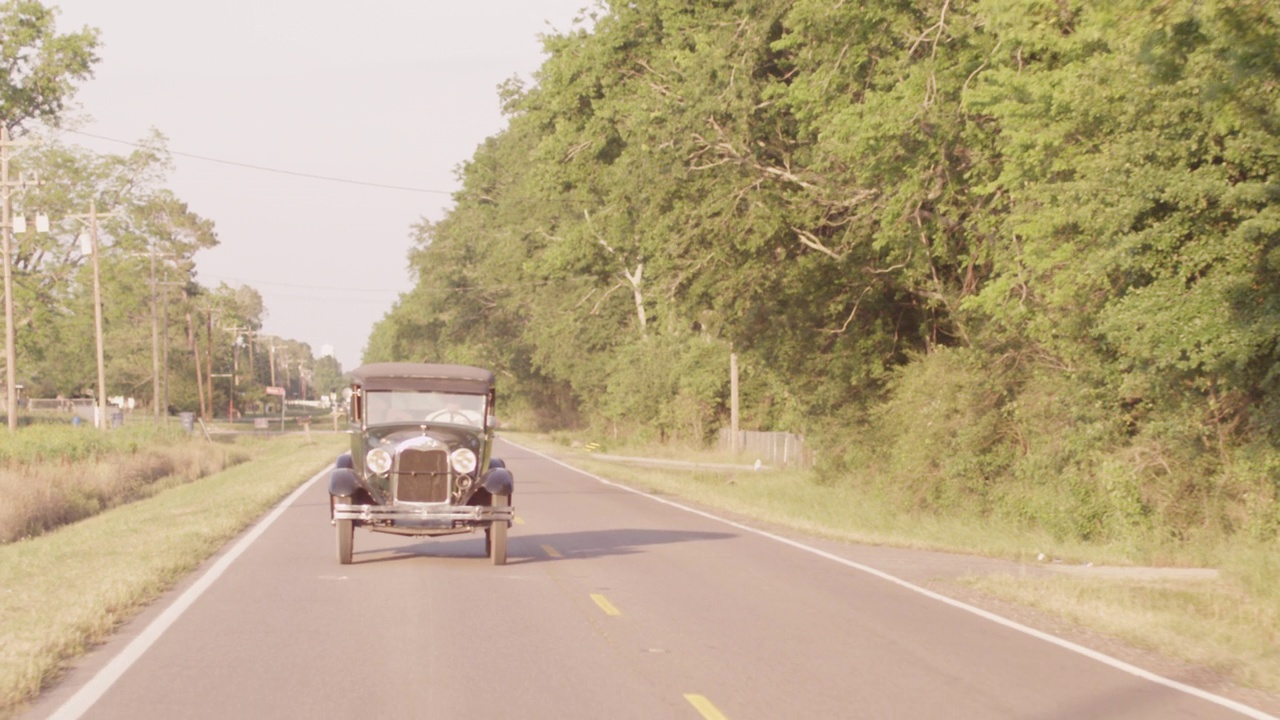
column 6, row 229
column 155, row 341
column 6, row 226
column 249, row 336
column 193, row 343
column 156, row 402
column 92, row 217
column 208, row 360
column 271, row 356
column 97, row 315
column 235, row 370
column 166, row 284
column 735, row 440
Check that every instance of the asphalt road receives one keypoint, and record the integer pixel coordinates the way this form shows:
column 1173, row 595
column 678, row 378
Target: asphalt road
column 613, row 604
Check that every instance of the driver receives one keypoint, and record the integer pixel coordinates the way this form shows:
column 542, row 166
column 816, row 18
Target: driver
column 453, row 412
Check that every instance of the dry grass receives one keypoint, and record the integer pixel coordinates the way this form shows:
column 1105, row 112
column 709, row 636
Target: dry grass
column 42, row 496
column 1214, row 623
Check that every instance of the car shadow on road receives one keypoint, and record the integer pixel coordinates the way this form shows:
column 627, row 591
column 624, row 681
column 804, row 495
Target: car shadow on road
column 547, row 547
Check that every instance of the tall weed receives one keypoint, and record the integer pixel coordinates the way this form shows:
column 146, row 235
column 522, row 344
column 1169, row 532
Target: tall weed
column 67, row 443
column 52, row 476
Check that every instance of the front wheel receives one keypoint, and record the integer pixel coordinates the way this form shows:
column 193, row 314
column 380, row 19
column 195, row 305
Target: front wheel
column 496, row 535
column 346, row 529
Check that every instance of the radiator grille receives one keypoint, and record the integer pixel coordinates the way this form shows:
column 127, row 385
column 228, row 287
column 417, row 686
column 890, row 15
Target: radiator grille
column 422, row 476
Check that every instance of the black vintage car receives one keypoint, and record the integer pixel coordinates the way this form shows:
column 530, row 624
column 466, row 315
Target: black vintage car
column 420, row 462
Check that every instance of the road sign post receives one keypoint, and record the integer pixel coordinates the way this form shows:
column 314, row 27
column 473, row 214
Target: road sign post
column 279, row 391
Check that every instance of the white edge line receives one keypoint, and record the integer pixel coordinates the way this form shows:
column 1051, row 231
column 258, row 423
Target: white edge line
column 84, row 698
column 1060, row 642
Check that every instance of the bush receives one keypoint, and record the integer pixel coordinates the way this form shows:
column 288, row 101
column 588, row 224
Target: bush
column 664, row 388
column 944, row 432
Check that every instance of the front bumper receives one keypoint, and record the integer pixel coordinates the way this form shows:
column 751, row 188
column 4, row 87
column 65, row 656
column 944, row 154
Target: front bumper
column 429, row 516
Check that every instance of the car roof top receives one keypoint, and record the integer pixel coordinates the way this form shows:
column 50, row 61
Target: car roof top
column 423, row 376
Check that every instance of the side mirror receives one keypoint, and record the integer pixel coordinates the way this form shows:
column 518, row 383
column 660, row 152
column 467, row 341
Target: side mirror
column 491, row 421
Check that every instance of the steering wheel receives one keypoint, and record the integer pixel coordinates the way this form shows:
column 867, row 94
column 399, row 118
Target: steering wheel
column 448, row 416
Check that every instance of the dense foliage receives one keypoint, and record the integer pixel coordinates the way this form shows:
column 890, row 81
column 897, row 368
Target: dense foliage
column 1021, row 257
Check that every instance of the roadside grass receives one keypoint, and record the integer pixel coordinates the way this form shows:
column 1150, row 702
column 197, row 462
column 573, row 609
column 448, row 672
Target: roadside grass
column 59, row 477
column 842, row 512
column 1217, row 624
column 1230, row 624
column 65, row 591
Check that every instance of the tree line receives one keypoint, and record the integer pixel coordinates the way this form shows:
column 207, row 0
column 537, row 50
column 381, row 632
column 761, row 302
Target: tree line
column 169, row 342
column 1015, row 256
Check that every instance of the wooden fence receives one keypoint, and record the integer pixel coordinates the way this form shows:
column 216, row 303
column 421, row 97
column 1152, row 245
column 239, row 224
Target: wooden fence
column 771, row 448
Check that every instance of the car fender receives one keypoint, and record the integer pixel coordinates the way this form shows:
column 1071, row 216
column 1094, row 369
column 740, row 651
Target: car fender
column 343, row 482
column 496, row 463
column 498, row 481
column 344, row 461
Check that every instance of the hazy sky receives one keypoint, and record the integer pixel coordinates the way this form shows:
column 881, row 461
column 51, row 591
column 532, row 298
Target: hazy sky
column 393, row 92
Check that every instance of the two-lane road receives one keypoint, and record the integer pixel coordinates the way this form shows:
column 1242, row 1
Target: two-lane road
column 613, row 604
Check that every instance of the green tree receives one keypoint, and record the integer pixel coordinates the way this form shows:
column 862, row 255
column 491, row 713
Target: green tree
column 53, row 272
column 39, row 67
column 1054, row 222
column 327, row 377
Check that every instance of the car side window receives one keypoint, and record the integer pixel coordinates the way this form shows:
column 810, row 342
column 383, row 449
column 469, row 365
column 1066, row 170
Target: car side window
column 378, row 407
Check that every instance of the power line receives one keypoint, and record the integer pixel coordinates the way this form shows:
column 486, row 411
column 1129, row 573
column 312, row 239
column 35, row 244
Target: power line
column 429, row 288
column 251, row 282
column 327, row 178
column 262, row 168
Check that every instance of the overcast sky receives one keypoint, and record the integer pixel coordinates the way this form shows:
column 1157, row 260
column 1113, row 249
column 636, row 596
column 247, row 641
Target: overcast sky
column 393, row 92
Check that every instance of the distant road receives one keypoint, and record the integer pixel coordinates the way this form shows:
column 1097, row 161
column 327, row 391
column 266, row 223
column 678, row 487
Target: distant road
column 613, row 605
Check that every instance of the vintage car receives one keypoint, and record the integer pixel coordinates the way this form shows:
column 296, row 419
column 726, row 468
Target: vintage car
column 420, row 460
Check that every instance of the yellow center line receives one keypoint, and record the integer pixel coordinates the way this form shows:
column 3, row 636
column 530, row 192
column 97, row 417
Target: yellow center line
column 519, row 520
column 605, row 605
column 551, row 551
column 704, row 706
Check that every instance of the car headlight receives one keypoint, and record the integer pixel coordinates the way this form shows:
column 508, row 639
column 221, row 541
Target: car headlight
column 378, row 460
column 463, row 461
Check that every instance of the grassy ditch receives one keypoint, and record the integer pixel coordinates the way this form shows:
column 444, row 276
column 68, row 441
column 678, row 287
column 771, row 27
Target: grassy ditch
column 1230, row 624
column 67, row 590
column 54, row 475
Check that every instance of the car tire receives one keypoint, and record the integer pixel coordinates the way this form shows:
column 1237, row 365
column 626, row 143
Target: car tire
column 496, row 535
column 345, row 532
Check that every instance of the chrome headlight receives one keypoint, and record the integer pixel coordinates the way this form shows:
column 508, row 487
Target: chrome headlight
column 378, row 460
column 463, row 461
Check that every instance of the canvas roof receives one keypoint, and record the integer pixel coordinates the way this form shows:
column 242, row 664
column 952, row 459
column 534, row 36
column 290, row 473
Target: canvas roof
column 423, row 376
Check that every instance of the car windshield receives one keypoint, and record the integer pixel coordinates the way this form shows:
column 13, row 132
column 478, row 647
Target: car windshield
column 385, row 407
